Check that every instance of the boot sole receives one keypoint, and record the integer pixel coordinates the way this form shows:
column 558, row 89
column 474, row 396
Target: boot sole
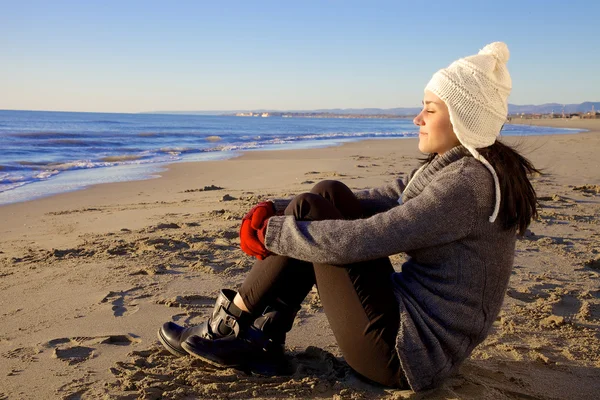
column 169, row 346
column 264, row 368
column 190, row 351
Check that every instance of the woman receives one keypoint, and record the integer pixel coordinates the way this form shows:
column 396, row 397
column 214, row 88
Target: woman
column 456, row 219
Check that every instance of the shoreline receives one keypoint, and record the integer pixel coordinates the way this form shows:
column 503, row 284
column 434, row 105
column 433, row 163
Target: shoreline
column 57, row 185
column 88, row 277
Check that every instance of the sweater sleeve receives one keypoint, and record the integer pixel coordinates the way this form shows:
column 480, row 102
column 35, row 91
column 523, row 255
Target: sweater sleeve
column 442, row 213
column 381, row 199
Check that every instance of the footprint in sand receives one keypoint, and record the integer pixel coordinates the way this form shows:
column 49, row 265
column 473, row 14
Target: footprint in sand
column 531, row 294
column 171, row 225
column 518, row 294
column 593, row 264
column 191, row 317
column 22, row 353
column 75, row 389
column 567, row 307
column 154, row 373
column 162, row 244
column 76, row 350
column 588, row 189
column 189, row 302
column 74, row 355
column 230, row 234
column 478, row 382
column 122, row 302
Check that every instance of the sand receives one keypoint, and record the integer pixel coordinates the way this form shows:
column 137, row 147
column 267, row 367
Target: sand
column 88, row 277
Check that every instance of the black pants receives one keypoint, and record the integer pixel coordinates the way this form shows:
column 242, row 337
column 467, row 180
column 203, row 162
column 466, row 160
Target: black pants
column 357, row 298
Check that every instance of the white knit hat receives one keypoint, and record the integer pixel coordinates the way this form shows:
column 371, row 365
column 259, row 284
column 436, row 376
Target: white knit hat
column 475, row 89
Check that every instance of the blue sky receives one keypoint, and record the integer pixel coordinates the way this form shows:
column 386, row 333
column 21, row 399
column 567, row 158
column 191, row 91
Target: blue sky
column 131, row 56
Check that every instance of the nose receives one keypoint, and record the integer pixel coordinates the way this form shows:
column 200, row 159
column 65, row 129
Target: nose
column 418, row 120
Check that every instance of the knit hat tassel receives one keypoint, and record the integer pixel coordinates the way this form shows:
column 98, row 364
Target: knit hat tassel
column 485, row 162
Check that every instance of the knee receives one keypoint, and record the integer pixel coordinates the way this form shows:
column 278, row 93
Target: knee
column 297, row 201
column 329, row 186
column 341, row 196
column 311, row 207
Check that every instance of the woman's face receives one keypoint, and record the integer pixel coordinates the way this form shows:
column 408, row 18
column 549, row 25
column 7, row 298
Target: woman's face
column 436, row 134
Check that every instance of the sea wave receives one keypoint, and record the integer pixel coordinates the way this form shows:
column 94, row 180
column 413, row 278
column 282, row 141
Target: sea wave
column 100, row 121
column 27, row 171
column 149, row 134
column 44, row 135
column 46, row 174
column 26, row 163
column 24, row 172
column 78, row 143
column 79, row 164
column 521, row 129
column 10, row 186
column 100, row 155
column 8, row 168
column 260, row 142
column 121, row 158
column 236, row 147
column 175, row 151
column 12, row 178
column 179, row 134
column 336, row 135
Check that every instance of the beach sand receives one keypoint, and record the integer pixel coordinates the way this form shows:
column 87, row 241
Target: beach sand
column 88, row 277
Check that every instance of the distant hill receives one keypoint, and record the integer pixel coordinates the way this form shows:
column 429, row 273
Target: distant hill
column 405, row 111
column 553, row 107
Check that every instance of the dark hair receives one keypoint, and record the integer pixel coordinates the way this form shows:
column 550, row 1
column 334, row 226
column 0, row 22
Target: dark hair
column 518, row 205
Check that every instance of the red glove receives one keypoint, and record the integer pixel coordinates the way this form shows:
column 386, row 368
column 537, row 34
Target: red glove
column 256, row 220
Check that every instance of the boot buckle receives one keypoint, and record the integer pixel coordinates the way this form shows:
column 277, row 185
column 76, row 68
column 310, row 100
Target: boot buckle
column 267, row 310
column 229, row 321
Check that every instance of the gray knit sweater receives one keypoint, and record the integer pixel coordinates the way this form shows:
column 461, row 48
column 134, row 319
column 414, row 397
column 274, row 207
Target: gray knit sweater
column 451, row 289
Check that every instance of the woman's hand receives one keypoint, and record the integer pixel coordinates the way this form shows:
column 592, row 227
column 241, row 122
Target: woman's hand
column 253, row 229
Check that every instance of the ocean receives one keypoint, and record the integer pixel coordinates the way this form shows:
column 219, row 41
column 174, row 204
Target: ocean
column 45, row 153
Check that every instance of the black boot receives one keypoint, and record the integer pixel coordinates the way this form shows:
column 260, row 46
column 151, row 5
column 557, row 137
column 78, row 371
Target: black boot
column 259, row 347
column 225, row 320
